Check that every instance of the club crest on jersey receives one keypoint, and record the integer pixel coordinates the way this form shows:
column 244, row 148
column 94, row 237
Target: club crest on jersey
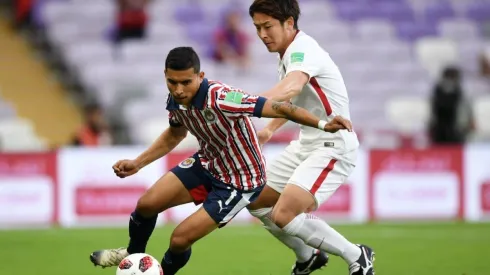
column 209, row 115
column 187, row 163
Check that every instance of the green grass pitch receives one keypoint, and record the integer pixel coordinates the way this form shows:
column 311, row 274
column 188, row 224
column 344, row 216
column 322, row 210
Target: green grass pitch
column 401, row 249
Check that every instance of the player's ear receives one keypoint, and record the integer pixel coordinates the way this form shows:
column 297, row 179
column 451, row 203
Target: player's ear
column 201, row 76
column 290, row 23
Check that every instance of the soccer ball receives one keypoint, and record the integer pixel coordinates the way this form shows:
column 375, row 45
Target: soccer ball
column 139, row 264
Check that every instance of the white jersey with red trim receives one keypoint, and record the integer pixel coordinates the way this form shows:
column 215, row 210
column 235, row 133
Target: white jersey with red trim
column 325, row 95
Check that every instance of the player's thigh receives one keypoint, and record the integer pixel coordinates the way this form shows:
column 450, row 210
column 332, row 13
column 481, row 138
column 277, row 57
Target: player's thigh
column 268, row 197
column 183, row 184
column 282, row 168
column 321, row 174
column 167, row 192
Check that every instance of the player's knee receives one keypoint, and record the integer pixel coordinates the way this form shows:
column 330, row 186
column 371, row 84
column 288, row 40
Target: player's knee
column 281, row 215
column 146, row 206
column 180, row 241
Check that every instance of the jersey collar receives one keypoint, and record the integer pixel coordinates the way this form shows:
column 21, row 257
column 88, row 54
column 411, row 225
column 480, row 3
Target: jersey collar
column 199, row 100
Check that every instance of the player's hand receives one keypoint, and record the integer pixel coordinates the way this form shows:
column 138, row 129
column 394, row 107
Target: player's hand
column 338, row 123
column 125, row 168
column 264, row 136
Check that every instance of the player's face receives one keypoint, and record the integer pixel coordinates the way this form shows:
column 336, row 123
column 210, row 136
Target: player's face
column 183, row 85
column 272, row 32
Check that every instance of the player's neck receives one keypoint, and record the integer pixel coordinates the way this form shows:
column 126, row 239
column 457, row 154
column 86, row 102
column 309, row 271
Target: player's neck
column 289, row 41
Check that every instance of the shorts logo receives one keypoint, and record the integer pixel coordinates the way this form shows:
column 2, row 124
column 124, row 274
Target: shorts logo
column 209, row 116
column 187, row 163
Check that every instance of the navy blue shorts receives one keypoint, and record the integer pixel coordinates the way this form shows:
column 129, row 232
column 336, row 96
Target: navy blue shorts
column 220, row 200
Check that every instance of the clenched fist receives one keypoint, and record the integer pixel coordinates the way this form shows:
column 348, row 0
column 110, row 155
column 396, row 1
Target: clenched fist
column 125, row 168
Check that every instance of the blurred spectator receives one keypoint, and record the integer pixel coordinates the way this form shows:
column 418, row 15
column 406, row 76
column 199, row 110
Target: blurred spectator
column 485, row 63
column 451, row 120
column 132, row 19
column 230, row 43
column 95, row 132
column 23, row 12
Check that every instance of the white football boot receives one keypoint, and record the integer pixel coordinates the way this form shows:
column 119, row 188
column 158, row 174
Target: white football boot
column 108, row 257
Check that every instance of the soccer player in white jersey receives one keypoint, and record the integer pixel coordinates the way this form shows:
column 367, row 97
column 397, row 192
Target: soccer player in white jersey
column 312, row 168
column 225, row 175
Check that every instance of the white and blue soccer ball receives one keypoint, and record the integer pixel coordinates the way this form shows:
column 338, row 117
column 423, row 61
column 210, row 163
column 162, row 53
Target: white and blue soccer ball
column 139, row 264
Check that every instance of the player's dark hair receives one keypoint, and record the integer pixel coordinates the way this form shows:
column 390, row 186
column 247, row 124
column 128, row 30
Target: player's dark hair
column 281, row 10
column 183, row 58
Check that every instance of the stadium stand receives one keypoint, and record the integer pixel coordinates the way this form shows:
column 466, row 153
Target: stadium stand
column 387, row 50
column 34, row 112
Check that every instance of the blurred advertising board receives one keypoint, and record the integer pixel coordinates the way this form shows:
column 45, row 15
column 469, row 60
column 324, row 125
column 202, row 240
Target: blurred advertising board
column 477, row 182
column 91, row 194
column 28, row 189
column 77, row 187
column 416, row 184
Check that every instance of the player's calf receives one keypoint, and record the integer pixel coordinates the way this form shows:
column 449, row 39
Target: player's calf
column 173, row 262
column 303, row 251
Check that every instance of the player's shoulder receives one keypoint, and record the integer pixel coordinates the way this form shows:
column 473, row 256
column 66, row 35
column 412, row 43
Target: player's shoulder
column 219, row 92
column 221, row 87
column 304, row 42
column 304, row 45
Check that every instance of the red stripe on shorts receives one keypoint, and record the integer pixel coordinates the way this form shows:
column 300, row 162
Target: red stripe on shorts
column 323, row 176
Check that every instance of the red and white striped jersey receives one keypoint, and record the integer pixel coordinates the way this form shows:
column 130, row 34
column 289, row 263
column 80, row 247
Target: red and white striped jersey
column 219, row 117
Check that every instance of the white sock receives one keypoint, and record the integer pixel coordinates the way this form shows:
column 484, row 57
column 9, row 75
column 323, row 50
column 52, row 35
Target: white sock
column 316, row 233
column 303, row 252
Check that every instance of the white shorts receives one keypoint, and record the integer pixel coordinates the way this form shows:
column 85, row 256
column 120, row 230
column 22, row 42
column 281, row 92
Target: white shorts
column 320, row 171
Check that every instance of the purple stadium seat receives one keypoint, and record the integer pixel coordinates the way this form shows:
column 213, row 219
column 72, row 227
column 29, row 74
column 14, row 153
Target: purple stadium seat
column 413, row 31
column 395, row 12
column 351, row 12
column 189, row 14
column 438, row 11
column 202, row 34
column 459, row 29
column 479, row 11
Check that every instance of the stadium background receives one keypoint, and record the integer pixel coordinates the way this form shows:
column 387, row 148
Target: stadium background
column 421, row 203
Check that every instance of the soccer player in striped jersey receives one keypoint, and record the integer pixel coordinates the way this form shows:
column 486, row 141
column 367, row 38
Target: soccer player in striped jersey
column 313, row 167
column 225, row 175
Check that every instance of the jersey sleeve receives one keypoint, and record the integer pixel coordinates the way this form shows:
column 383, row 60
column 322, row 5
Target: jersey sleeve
column 235, row 103
column 173, row 121
column 301, row 57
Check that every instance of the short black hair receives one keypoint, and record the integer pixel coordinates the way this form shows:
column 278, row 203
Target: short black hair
column 183, row 58
column 277, row 9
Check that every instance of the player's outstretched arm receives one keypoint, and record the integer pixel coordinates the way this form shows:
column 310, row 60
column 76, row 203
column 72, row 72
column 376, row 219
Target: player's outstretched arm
column 287, row 88
column 165, row 143
column 299, row 115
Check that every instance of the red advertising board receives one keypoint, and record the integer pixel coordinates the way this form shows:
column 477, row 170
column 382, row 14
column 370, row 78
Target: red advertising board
column 28, row 188
column 416, row 184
